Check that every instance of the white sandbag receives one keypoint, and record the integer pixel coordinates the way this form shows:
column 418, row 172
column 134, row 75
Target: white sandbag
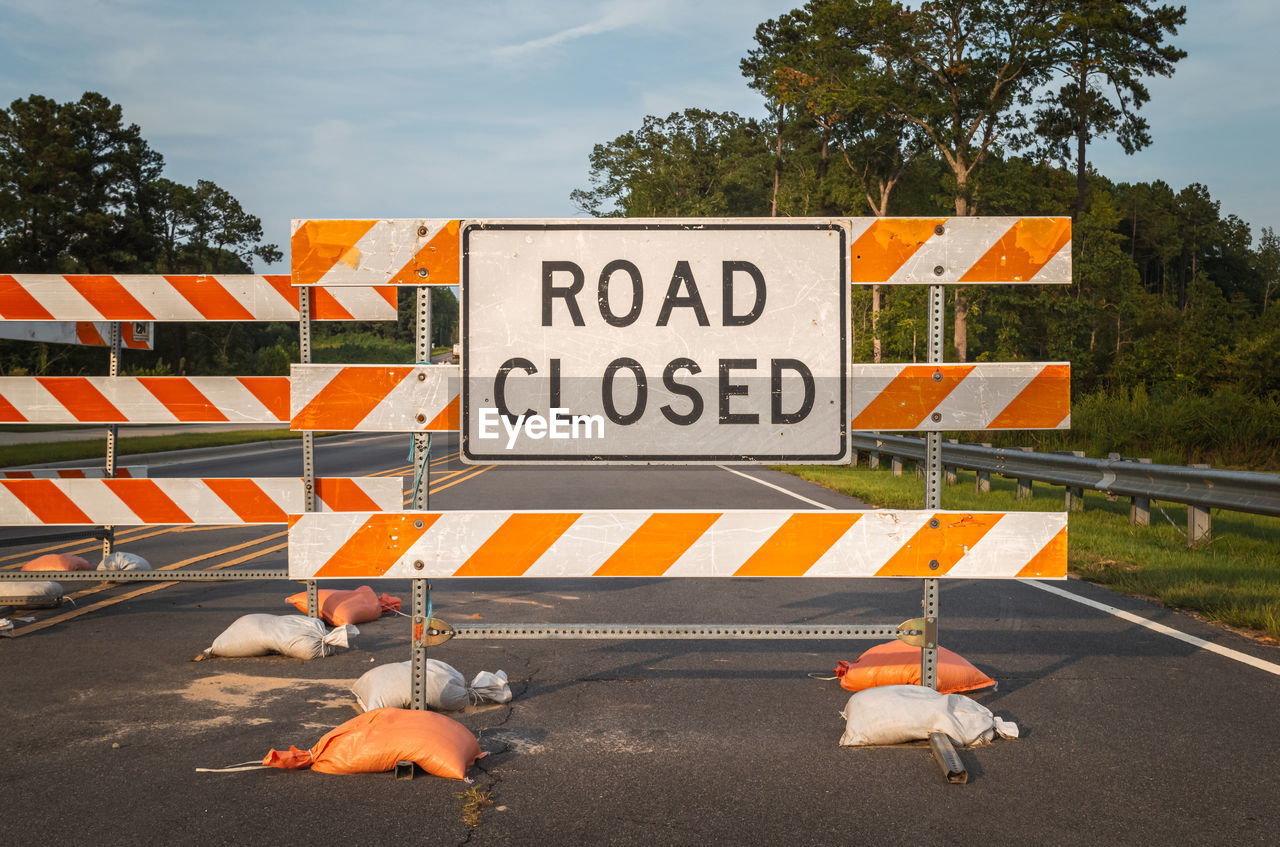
column 121, row 561
column 491, row 686
column 30, row 593
column 893, row 714
column 446, row 689
column 296, row 636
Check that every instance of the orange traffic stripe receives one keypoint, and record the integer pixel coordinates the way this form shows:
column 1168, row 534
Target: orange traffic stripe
column 349, row 397
column 78, row 396
column 319, row 245
column 449, row 420
column 46, row 501
column 517, row 544
column 181, row 397
column 656, row 544
column 887, row 245
column 145, row 499
column 17, row 305
column 271, row 391
column 439, row 258
column 112, row 300
column 1043, row 404
column 344, row 495
column 910, row 397
column 796, row 545
column 1022, row 251
column 249, row 502
column 1051, row 561
column 377, row 545
column 208, row 297
column 9, row 413
column 947, row 543
column 87, row 333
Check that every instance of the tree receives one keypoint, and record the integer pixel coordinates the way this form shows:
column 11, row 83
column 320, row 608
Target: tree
column 693, row 163
column 1106, row 49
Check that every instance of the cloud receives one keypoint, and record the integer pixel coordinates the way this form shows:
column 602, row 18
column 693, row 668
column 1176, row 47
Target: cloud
column 613, row 16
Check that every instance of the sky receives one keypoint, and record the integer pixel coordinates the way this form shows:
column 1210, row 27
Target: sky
column 490, row 108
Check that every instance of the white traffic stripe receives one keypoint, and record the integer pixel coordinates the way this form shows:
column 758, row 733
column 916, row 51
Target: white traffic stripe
column 1236, row 655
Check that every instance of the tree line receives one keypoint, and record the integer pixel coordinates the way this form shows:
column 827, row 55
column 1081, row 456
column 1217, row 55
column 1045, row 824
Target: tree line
column 81, row 191
column 962, row 107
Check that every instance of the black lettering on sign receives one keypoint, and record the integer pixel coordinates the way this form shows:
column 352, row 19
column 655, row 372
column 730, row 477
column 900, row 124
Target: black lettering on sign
column 730, row 268
column 687, row 391
column 778, row 416
column 606, row 391
column 734, row 389
column 682, row 275
column 637, row 293
column 569, row 294
column 500, row 385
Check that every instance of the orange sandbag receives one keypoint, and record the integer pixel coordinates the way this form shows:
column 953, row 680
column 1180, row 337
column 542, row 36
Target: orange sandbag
column 339, row 607
column 375, row 741
column 897, row 663
column 57, row 562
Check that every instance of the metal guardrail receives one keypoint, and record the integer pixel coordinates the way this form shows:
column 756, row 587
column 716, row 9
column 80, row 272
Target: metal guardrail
column 1237, row 491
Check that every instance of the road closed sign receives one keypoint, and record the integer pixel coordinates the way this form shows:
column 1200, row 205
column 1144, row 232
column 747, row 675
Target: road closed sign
column 655, row 340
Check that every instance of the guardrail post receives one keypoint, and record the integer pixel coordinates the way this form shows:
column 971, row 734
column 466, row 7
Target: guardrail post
column 1140, row 507
column 895, row 465
column 1075, row 495
column 982, row 482
column 873, row 458
column 949, row 471
column 1198, row 526
column 1024, row 482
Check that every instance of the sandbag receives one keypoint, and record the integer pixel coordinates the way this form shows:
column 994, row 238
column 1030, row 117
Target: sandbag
column 57, row 562
column 30, row 593
column 446, row 689
column 893, row 714
column 296, row 636
column 375, row 741
column 897, row 663
column 121, row 561
column 340, row 607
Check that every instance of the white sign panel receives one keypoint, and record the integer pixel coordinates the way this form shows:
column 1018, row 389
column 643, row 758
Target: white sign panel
column 655, row 340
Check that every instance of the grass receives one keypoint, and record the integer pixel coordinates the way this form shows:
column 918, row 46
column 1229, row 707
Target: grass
column 25, row 455
column 1234, row 579
column 474, row 799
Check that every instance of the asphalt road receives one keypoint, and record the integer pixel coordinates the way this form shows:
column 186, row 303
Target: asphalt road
column 1129, row 736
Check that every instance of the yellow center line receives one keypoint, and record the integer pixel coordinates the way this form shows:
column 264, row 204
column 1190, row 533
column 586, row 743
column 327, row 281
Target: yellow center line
column 102, row 604
column 174, row 566
column 463, row 479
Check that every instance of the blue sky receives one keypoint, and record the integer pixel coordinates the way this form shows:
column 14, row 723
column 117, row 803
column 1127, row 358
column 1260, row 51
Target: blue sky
column 490, row 108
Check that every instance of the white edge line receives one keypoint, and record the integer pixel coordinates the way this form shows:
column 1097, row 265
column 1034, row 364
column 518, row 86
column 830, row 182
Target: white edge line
column 1260, row 664
column 1245, row 658
column 778, row 488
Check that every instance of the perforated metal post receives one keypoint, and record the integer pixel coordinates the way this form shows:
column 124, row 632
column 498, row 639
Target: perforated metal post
column 933, row 494
column 113, row 369
column 422, row 497
column 421, row 501
column 418, row 657
column 308, row 437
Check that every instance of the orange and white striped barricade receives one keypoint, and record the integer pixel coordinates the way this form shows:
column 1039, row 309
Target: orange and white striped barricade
column 640, row 543
column 144, row 399
column 983, row 396
column 218, row 501
column 126, row 472
column 374, row 252
column 374, row 398
column 181, row 297
column 134, row 335
column 965, row 251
